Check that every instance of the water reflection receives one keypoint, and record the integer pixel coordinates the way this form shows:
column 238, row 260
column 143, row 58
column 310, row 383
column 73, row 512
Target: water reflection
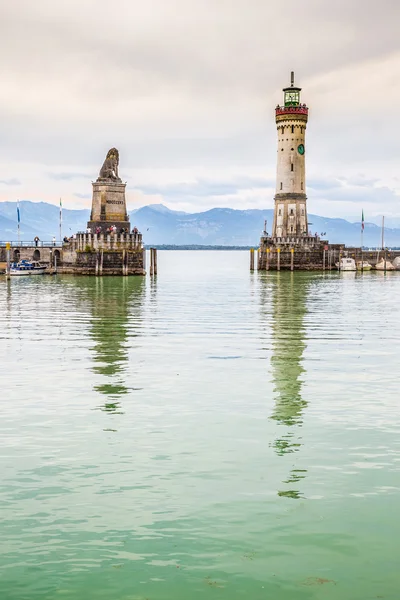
column 116, row 309
column 288, row 309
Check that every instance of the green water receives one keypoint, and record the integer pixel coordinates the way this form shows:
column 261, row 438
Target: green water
column 211, row 434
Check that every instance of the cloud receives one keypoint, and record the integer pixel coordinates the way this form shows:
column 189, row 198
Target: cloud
column 82, row 196
column 204, row 188
column 12, row 181
column 190, row 86
column 67, row 176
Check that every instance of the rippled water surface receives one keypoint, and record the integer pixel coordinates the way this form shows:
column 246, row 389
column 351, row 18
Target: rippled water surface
column 209, row 434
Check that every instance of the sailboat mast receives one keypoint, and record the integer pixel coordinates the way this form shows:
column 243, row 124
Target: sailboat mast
column 383, row 232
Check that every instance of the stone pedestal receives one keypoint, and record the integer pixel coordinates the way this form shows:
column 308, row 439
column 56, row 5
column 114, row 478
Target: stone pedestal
column 108, row 206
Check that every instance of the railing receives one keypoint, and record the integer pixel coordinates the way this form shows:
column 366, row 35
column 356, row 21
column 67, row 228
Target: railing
column 107, row 241
column 302, row 109
column 306, row 240
column 32, row 244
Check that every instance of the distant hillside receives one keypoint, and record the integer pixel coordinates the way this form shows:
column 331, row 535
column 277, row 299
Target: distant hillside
column 163, row 226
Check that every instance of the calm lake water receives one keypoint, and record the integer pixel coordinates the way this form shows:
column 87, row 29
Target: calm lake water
column 210, row 434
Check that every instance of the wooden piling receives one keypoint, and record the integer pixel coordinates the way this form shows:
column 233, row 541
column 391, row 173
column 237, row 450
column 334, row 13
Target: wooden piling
column 251, row 259
column 268, row 254
column 258, row 259
column 278, row 259
column 151, row 262
column 291, row 259
column 8, row 246
column 155, row 261
column 323, row 260
column 101, row 262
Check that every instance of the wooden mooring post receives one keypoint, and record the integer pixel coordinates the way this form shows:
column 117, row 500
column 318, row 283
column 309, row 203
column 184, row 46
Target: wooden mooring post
column 278, row 259
column 153, row 261
column 8, row 247
column 268, row 254
column 291, row 259
column 251, row 259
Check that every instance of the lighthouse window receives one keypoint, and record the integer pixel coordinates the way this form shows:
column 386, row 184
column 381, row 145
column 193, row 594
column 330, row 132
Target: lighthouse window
column 292, row 128
column 281, row 185
column 301, row 185
column 280, row 212
column 291, row 212
column 291, row 230
column 291, row 167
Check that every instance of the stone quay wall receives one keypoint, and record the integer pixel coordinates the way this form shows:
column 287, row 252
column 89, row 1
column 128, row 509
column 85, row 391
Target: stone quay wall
column 312, row 254
column 104, row 262
column 44, row 254
column 104, row 254
column 88, row 254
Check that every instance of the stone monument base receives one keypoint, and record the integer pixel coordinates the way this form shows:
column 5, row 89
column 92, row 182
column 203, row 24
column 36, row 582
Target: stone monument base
column 108, row 206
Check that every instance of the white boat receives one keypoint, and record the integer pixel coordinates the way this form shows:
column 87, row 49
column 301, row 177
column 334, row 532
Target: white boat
column 363, row 265
column 346, row 264
column 380, row 266
column 396, row 263
column 27, row 267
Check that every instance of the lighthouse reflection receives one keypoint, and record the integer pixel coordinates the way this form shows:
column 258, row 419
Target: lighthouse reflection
column 288, row 308
column 116, row 309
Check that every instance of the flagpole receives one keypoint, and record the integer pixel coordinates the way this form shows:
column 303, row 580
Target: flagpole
column 60, row 220
column 18, row 219
column 362, row 240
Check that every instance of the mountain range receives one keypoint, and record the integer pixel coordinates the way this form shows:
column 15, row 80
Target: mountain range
column 161, row 225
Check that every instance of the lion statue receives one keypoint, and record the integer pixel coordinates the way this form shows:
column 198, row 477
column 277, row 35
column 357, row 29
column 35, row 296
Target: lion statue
column 109, row 170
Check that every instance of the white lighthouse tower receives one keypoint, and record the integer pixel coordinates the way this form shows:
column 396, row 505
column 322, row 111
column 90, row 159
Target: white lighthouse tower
column 290, row 214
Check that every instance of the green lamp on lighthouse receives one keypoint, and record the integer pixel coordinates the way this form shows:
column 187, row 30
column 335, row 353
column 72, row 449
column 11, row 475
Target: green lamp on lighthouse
column 292, row 93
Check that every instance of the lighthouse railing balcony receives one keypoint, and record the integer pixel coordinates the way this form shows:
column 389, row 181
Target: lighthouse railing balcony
column 300, row 109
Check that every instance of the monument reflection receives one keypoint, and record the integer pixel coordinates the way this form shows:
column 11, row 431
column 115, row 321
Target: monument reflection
column 116, row 305
column 288, row 309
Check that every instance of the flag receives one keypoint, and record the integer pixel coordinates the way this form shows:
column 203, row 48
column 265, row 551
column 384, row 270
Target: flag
column 362, row 221
column 18, row 213
column 60, row 210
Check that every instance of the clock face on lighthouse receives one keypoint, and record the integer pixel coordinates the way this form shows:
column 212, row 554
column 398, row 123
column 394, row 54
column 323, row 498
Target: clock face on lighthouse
column 300, row 148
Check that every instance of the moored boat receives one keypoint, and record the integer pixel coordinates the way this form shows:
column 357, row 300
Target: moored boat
column 27, row 267
column 346, row 264
column 384, row 265
column 363, row 265
column 396, row 263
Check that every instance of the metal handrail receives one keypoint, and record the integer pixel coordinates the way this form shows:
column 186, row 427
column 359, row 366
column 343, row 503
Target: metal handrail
column 32, row 244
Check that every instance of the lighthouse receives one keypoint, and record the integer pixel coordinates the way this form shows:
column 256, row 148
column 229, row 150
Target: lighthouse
column 290, row 213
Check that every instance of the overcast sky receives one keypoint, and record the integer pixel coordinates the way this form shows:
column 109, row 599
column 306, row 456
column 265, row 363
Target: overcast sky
column 186, row 90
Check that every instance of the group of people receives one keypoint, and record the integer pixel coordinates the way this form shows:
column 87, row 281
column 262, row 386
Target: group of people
column 36, row 239
column 112, row 230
